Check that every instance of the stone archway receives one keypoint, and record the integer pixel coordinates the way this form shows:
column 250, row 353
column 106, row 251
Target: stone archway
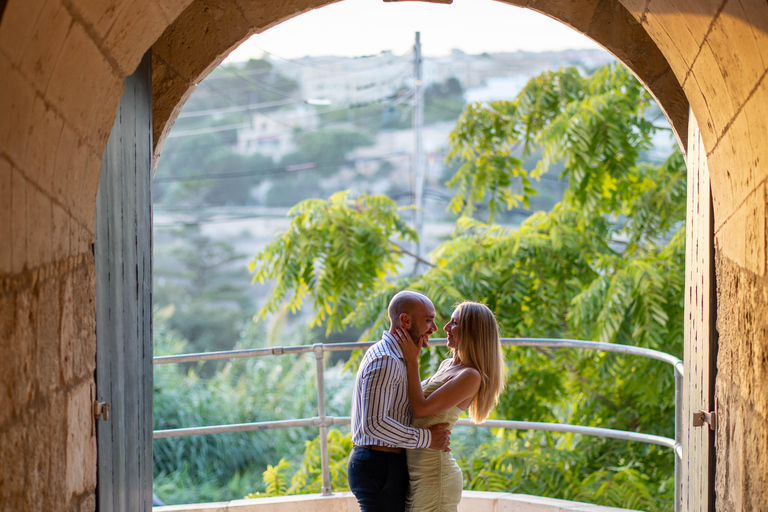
column 63, row 63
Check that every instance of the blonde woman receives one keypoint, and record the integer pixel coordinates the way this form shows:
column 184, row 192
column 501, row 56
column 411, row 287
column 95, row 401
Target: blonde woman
column 471, row 379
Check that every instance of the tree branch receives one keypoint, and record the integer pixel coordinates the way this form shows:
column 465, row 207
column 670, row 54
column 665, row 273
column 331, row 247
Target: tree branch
column 409, row 253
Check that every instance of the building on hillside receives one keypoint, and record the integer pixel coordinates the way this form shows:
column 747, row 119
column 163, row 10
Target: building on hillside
column 271, row 134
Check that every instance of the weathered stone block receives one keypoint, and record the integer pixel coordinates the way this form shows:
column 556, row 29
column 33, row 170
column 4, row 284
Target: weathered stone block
column 201, row 37
column 733, row 170
column 679, row 46
column 42, row 52
column 738, row 53
column 39, row 229
column 19, row 187
column 264, row 15
column 7, row 364
column 74, row 92
column 16, row 100
column 169, row 93
column 709, row 77
column 6, row 217
column 44, row 443
column 755, row 231
column 740, row 390
column 67, row 339
column 742, row 238
column 83, row 239
column 16, row 27
column 13, row 455
column 81, row 441
column 55, row 493
column 59, row 233
column 102, row 115
column 44, row 134
column 22, row 350
column 87, row 503
column 697, row 98
column 100, row 15
column 577, row 16
column 71, row 158
column 135, row 29
column 84, row 293
column 88, row 187
column 757, row 15
column 172, row 8
column 669, row 95
column 615, row 28
column 756, row 462
column 47, row 366
column 695, row 15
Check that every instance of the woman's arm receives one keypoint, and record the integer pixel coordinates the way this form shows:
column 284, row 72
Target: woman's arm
column 462, row 386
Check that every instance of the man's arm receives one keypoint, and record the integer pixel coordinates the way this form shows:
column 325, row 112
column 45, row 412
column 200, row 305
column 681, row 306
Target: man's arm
column 378, row 379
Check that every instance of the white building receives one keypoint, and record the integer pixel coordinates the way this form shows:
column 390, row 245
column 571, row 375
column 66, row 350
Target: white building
column 271, row 134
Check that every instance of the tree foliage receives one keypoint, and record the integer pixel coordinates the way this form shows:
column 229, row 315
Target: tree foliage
column 606, row 264
column 326, row 243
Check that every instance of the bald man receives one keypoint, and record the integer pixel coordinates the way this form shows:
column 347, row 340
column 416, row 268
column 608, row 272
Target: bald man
column 381, row 413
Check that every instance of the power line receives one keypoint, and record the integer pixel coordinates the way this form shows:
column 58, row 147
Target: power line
column 277, row 170
column 238, row 108
column 229, row 98
column 295, row 62
column 201, row 131
column 261, row 85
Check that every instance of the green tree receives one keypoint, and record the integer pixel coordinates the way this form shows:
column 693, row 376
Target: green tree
column 606, row 263
column 204, row 283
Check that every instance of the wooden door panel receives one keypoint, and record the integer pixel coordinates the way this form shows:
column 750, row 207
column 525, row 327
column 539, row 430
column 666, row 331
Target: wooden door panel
column 123, row 252
column 700, row 350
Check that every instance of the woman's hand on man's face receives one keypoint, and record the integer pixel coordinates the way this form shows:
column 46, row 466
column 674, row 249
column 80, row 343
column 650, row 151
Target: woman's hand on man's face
column 410, row 349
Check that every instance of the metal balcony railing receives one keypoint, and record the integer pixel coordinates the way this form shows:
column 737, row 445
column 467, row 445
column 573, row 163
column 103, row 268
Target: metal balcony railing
column 323, row 422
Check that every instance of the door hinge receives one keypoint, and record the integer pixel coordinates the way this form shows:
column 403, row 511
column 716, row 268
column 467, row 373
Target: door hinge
column 702, row 417
column 101, row 409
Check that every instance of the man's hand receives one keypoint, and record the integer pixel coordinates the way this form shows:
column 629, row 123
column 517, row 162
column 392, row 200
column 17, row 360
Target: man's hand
column 441, row 437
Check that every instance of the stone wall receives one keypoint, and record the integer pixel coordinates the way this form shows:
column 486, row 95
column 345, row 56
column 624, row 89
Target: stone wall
column 62, row 64
column 47, row 437
column 741, row 390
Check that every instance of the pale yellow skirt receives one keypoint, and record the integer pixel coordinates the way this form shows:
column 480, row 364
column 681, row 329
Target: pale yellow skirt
column 436, row 481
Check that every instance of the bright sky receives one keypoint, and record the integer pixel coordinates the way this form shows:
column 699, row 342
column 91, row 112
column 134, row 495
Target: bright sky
column 367, row 27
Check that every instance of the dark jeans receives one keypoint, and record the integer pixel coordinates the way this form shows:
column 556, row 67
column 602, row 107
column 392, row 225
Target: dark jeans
column 379, row 480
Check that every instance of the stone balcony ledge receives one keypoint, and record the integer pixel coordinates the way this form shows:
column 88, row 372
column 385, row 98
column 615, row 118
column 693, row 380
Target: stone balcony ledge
column 472, row 501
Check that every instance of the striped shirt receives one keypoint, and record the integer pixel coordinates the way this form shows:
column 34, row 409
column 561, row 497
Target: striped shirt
column 381, row 412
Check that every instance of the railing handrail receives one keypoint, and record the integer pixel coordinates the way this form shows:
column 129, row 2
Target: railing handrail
column 323, row 422
column 359, row 345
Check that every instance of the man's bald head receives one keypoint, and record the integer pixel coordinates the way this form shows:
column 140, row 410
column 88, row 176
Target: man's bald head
column 407, row 302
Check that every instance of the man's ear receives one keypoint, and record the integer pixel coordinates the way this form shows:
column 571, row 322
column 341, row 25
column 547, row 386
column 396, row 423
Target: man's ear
column 405, row 320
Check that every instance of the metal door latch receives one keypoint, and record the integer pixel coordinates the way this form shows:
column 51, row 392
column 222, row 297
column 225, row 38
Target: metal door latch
column 101, row 409
column 702, row 417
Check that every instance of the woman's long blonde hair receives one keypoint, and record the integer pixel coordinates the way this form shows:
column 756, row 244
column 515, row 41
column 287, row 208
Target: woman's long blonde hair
column 480, row 347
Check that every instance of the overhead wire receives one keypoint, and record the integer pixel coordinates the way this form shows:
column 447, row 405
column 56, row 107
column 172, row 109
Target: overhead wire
column 295, row 62
column 277, row 170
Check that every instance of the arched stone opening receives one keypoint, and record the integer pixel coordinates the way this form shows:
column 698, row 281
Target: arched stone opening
column 63, row 63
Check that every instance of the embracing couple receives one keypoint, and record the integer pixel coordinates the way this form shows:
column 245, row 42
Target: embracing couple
column 401, row 427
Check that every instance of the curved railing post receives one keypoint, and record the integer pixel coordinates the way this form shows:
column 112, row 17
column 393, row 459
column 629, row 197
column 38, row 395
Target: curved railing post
column 324, row 459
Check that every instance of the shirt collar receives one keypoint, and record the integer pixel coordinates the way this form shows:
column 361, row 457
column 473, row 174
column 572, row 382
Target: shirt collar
column 392, row 344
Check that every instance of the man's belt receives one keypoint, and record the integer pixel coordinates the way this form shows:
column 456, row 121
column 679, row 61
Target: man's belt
column 378, row 448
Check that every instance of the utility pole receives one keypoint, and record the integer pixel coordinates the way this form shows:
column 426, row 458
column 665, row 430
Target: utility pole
column 418, row 157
